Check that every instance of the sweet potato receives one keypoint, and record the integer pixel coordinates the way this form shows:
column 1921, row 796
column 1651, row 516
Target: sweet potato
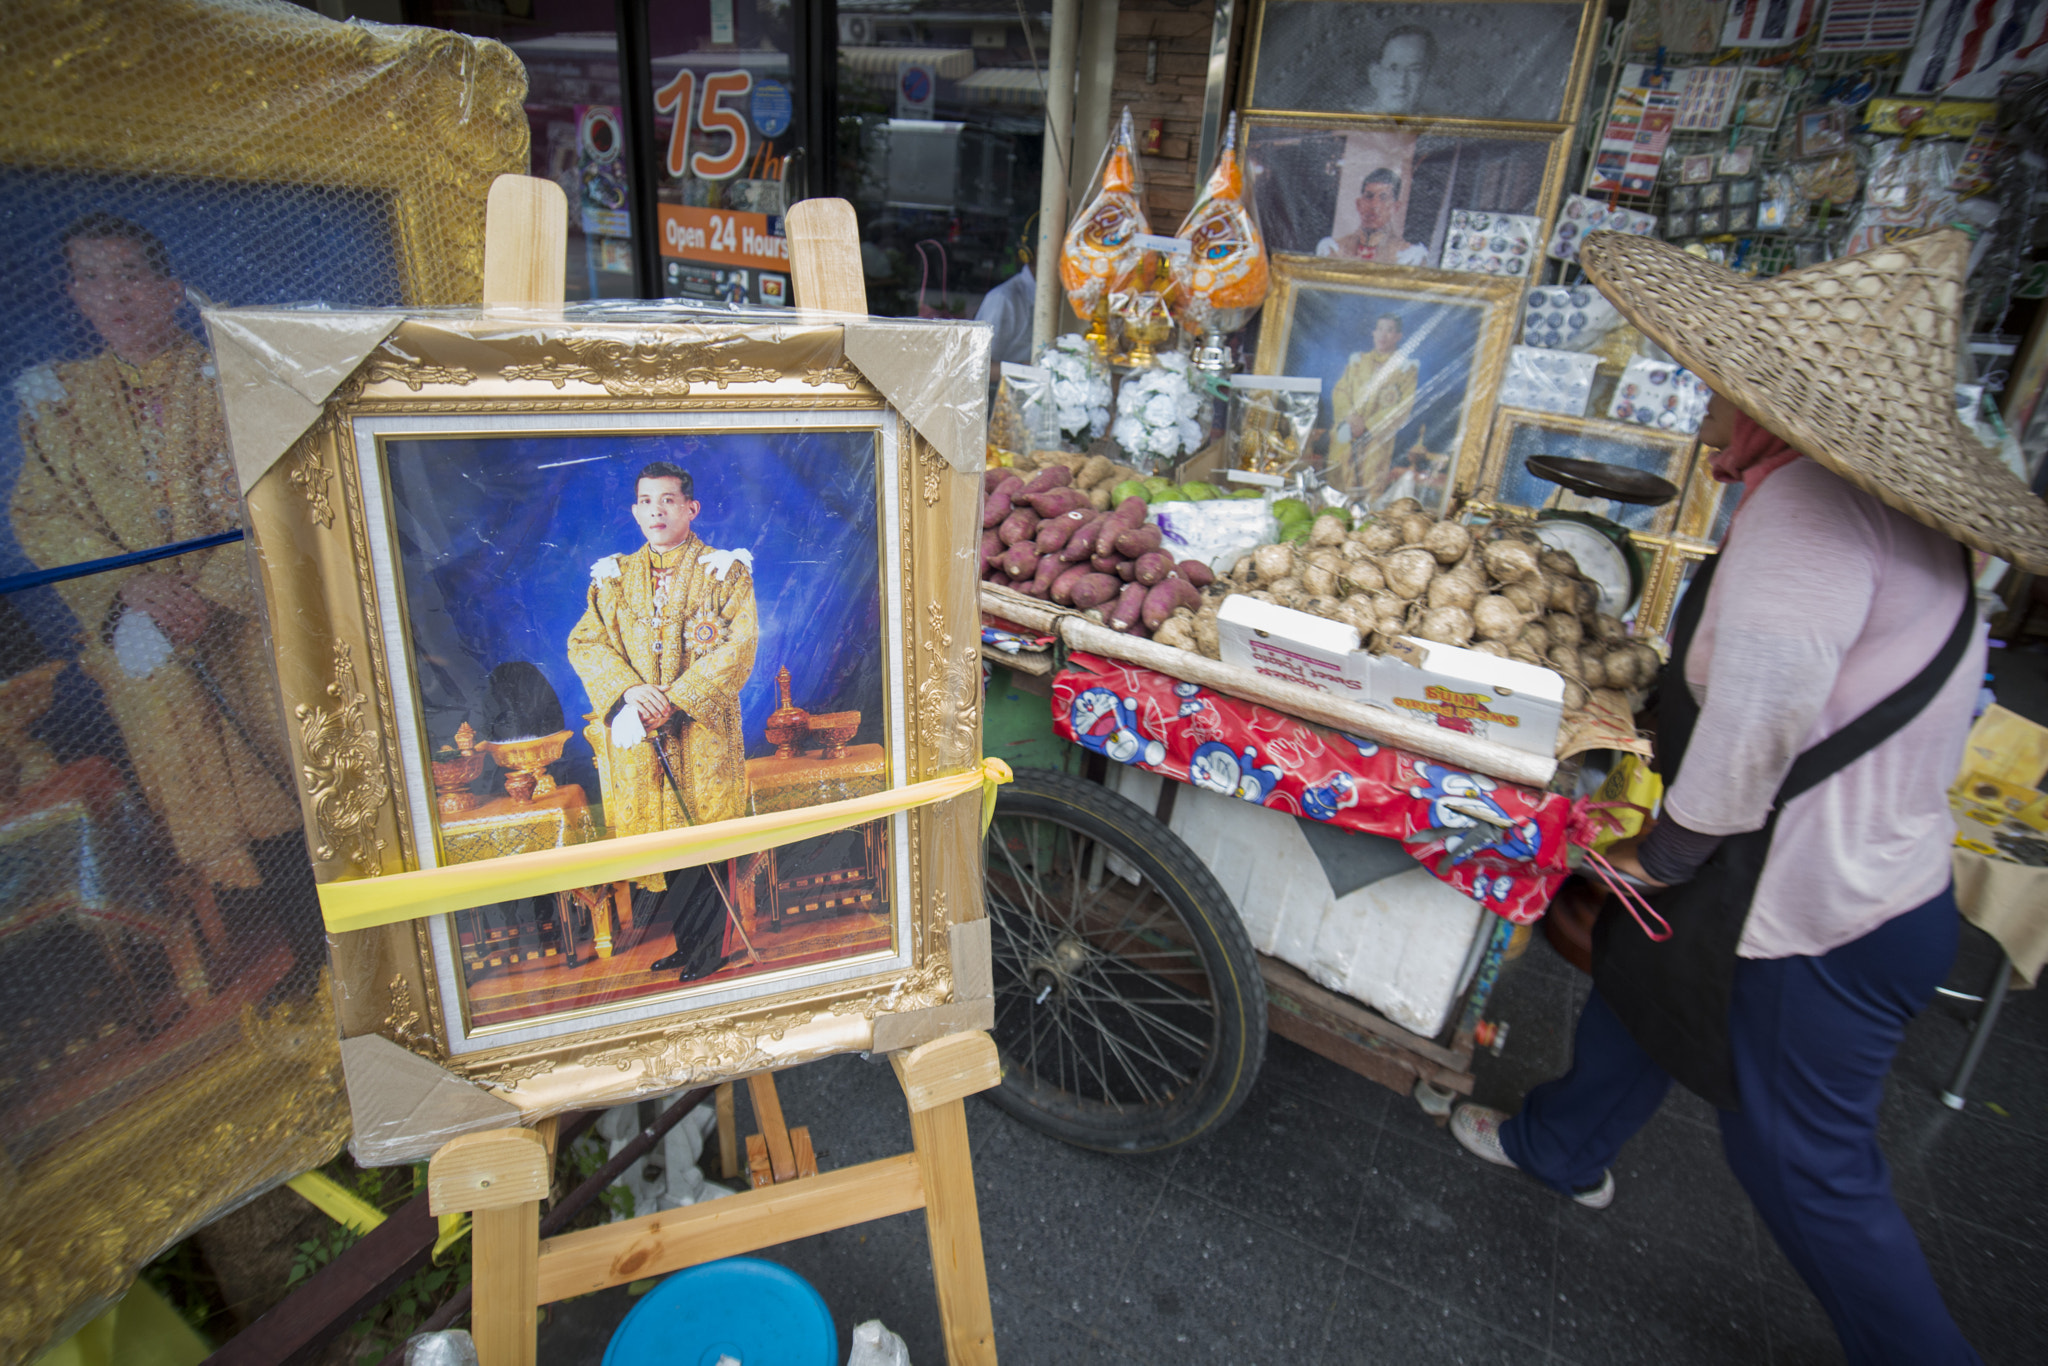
column 1196, row 573
column 1131, row 511
column 1048, row 569
column 1094, row 590
column 1127, row 570
column 1081, row 544
column 1093, row 471
column 1012, row 484
column 1105, row 564
column 1136, row 541
column 1049, row 478
column 1054, row 531
column 1032, row 589
column 992, row 549
column 1153, row 566
column 1054, row 502
column 994, row 508
column 993, row 477
column 1130, row 607
column 1163, row 597
column 1020, row 561
column 1020, row 525
column 1069, row 579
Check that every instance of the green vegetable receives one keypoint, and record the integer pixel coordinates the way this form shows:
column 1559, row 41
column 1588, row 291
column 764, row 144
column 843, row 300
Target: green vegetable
column 1158, row 481
column 1130, row 488
column 1291, row 532
column 1290, row 507
column 1341, row 514
column 1170, row 494
column 1247, row 493
column 1199, row 492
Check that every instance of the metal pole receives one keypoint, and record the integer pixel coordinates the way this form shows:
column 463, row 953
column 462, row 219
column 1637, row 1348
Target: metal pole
column 1213, row 89
column 1052, row 176
column 1987, row 1016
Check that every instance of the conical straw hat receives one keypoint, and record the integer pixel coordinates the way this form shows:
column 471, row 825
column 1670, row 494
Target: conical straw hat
column 1852, row 361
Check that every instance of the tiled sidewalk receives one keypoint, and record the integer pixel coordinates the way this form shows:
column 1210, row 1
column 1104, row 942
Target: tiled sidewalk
column 1332, row 1222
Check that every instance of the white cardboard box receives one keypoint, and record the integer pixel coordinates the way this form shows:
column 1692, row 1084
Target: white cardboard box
column 1502, row 700
column 1292, row 646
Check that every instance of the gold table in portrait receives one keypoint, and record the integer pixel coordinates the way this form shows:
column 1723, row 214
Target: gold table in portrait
column 808, row 780
column 562, row 817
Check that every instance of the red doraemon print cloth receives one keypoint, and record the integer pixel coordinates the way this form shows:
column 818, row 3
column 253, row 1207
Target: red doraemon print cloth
column 1500, row 844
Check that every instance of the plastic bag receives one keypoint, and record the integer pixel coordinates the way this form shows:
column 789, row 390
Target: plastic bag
column 1100, row 249
column 1215, row 531
column 1271, row 417
column 1025, row 417
column 1548, row 381
column 1223, row 278
column 451, row 1347
column 1631, row 782
column 874, row 1345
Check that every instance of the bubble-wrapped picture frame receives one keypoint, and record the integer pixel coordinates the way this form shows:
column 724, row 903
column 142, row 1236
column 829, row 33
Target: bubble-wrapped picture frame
column 549, row 430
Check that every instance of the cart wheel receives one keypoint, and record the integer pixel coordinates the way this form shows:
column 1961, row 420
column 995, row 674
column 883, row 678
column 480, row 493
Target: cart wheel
column 1129, row 1010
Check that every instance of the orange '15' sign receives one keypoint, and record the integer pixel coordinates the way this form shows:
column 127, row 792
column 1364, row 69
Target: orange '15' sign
column 713, row 117
column 721, row 236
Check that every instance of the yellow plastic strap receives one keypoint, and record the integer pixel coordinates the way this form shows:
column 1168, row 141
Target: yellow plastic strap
column 994, row 773
column 364, row 903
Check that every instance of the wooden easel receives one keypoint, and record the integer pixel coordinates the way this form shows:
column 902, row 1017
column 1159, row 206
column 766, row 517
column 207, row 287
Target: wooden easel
column 500, row 1177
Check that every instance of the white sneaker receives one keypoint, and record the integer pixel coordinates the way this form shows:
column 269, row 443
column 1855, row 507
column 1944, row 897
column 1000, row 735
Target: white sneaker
column 1477, row 1130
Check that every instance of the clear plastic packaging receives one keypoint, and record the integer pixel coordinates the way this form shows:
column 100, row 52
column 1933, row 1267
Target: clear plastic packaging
column 1582, row 215
column 1271, row 417
column 1661, row 394
column 1223, row 278
column 1567, row 317
column 1547, row 381
column 1025, row 417
column 1100, row 250
column 1493, row 243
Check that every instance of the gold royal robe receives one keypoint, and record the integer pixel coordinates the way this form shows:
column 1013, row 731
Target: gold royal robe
column 118, row 458
column 708, row 630
column 1380, row 387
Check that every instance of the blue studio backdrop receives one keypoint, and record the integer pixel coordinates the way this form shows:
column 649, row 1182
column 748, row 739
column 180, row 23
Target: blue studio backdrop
column 497, row 536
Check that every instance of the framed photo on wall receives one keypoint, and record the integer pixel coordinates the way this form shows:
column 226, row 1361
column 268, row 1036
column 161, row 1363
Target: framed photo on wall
column 1385, row 192
column 538, row 592
column 1519, row 434
column 1504, row 61
column 1410, row 361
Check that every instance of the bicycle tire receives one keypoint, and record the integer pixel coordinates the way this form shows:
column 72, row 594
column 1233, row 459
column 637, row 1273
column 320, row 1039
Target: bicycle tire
column 1078, row 978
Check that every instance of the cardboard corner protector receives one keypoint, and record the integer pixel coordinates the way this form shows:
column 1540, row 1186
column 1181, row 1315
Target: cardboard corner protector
column 403, row 1107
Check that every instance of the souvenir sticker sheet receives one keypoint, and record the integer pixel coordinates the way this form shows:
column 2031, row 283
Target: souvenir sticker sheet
column 1492, row 243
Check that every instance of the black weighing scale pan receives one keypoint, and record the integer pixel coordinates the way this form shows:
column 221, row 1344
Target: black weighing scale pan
column 1597, row 479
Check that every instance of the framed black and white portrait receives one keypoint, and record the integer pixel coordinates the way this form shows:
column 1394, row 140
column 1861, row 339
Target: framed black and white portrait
column 1387, row 194
column 1520, row 61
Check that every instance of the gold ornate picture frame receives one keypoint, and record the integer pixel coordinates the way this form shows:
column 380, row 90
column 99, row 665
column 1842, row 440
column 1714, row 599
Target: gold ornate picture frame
column 1412, row 358
column 1497, row 61
column 1519, row 433
column 470, row 469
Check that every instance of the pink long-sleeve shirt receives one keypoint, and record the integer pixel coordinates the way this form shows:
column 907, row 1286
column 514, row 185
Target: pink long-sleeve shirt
column 1825, row 602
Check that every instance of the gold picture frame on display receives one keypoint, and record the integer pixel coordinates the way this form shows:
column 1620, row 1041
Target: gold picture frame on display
column 474, row 560
column 1416, row 355
column 1519, row 433
column 1378, row 191
column 247, row 154
column 1490, row 61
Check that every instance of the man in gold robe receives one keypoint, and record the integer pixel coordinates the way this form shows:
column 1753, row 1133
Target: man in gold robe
column 1371, row 400
column 127, row 452
column 663, row 649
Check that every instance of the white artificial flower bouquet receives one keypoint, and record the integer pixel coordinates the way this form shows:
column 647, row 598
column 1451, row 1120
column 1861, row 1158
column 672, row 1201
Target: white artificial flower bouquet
column 1080, row 386
column 1156, row 412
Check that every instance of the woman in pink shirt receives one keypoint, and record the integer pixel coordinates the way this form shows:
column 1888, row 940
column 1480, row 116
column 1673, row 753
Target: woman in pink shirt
column 1823, row 672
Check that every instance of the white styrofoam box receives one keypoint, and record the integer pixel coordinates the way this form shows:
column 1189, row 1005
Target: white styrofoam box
column 1399, row 944
column 1405, row 945
column 1292, row 646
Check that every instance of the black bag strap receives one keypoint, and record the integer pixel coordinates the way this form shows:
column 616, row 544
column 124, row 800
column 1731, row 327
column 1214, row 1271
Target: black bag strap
column 1885, row 720
column 1677, row 713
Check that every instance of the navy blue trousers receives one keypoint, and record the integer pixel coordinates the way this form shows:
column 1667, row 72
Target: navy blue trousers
column 1812, row 1040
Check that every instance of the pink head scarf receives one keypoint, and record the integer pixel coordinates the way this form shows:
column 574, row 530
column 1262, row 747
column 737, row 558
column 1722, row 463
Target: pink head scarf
column 1751, row 456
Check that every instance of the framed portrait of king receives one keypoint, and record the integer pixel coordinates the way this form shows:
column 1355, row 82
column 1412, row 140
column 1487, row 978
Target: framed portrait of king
column 544, row 593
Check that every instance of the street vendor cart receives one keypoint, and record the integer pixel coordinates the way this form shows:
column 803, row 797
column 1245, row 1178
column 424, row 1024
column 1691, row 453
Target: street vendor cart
column 1193, row 855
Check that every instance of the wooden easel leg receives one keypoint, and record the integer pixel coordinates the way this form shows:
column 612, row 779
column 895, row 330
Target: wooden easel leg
column 728, row 1133
column 774, row 1131
column 506, row 1282
column 953, row 1223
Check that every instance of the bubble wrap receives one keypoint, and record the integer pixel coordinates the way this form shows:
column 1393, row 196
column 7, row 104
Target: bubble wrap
column 169, row 1045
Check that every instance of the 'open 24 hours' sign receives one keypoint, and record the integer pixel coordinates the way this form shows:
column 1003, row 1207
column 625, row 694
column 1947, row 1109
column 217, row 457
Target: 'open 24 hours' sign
column 713, row 140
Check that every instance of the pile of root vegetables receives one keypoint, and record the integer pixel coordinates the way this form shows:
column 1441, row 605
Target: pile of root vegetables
column 1052, row 534
column 1047, row 538
column 1496, row 589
